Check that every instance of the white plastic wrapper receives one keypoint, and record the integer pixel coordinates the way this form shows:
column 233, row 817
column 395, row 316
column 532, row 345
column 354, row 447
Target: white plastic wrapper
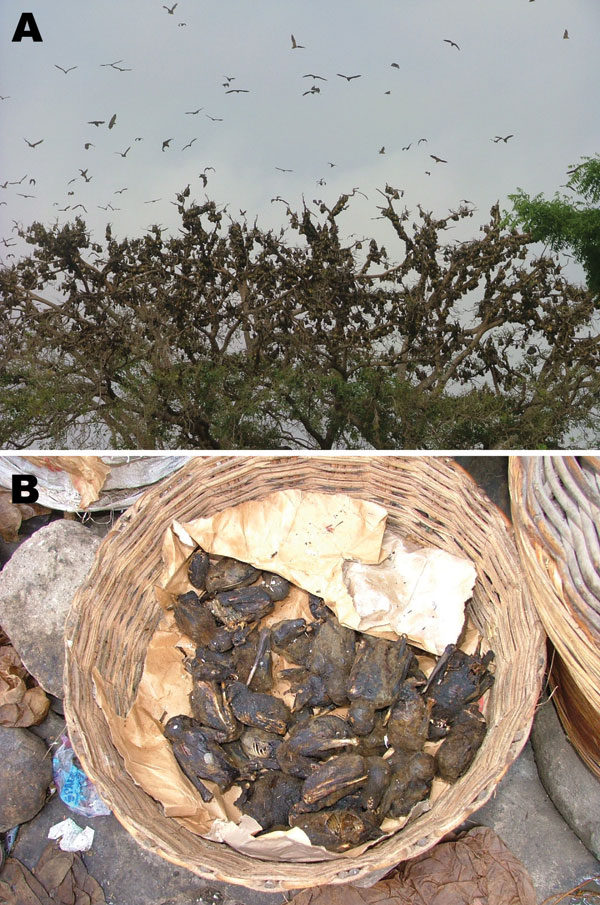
column 125, row 478
column 73, row 838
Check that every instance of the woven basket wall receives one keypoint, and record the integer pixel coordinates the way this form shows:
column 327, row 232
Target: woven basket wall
column 114, row 614
column 555, row 504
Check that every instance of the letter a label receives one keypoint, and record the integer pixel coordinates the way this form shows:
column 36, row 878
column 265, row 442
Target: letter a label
column 27, row 28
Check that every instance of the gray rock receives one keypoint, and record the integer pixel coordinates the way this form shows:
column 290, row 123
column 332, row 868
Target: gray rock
column 521, row 813
column 573, row 788
column 25, row 774
column 50, row 730
column 36, row 589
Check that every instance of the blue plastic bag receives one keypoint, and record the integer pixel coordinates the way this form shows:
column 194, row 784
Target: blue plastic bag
column 75, row 789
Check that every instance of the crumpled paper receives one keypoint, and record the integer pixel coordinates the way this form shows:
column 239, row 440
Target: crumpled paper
column 477, row 869
column 72, row 837
column 305, row 537
column 60, row 878
column 417, row 592
column 19, row 705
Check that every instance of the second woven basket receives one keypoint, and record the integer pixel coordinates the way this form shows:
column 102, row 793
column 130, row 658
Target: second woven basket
column 555, row 504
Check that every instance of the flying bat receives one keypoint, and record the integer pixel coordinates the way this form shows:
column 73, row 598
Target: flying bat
column 282, row 170
column 296, row 46
column 96, row 122
column 154, row 200
column 395, row 65
column 75, row 206
column 124, row 153
column 348, row 77
column 170, row 10
column 112, row 121
column 420, row 140
column 382, row 149
column 407, row 147
column 238, row 91
column 167, row 141
column 70, row 69
column 85, row 175
column 88, row 145
column 5, row 97
column 314, row 89
column 452, row 43
column 119, row 191
column 566, row 34
column 33, row 144
column 189, row 145
column 111, row 64
column 25, row 196
column 438, row 159
column 500, row 138
column 311, row 75
column 120, row 68
column 193, row 112
column 215, row 119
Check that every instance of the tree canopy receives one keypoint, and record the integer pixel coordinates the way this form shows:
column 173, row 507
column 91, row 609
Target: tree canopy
column 567, row 221
column 230, row 336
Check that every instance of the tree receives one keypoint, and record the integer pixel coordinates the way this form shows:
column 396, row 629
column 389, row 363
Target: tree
column 228, row 336
column 566, row 223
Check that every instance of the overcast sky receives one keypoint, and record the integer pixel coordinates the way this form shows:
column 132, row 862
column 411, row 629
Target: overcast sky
column 514, row 73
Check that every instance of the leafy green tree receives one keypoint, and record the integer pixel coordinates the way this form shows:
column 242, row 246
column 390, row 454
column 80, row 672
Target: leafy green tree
column 228, row 336
column 567, row 221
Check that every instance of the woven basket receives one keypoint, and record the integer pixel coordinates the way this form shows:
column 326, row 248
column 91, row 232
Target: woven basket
column 114, row 614
column 555, row 504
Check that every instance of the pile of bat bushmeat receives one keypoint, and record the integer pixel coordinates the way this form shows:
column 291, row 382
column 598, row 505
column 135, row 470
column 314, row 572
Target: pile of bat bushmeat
column 337, row 777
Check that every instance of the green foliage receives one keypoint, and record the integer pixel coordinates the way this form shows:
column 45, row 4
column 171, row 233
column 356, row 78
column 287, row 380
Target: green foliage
column 227, row 336
column 563, row 222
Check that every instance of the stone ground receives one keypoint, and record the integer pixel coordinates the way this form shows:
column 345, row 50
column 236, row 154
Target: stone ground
column 520, row 811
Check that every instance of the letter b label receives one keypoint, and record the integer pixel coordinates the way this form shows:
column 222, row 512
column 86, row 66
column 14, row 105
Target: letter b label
column 23, row 488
